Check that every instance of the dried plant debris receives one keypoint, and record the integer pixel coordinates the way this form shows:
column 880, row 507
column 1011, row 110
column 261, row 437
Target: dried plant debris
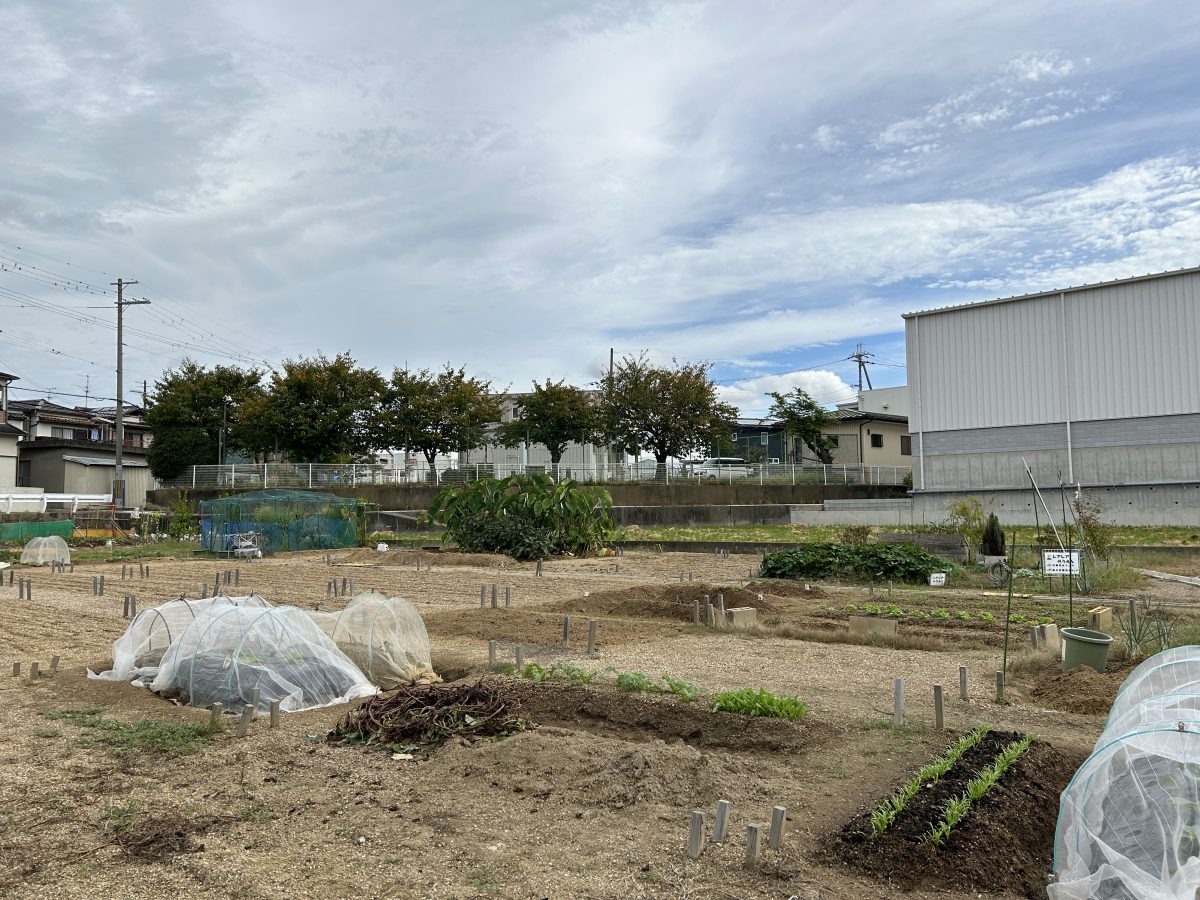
column 423, row 718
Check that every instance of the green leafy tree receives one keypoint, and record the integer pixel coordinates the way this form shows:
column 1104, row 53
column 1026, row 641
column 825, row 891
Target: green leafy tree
column 665, row 411
column 435, row 413
column 194, row 411
column 317, row 410
column 805, row 420
column 553, row 415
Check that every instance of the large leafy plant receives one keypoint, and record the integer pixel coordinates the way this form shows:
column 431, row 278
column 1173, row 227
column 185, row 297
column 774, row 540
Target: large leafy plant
column 524, row 516
column 872, row 562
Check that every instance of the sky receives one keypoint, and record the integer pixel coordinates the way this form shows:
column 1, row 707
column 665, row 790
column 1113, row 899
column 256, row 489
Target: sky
column 518, row 187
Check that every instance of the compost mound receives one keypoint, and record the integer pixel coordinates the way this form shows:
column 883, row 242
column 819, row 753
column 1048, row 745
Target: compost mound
column 424, row 717
column 1080, row 690
column 649, row 717
column 1006, row 843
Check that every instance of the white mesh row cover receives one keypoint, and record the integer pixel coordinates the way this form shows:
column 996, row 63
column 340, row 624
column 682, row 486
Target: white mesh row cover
column 1129, row 821
column 385, row 636
column 41, row 551
column 228, row 651
column 137, row 653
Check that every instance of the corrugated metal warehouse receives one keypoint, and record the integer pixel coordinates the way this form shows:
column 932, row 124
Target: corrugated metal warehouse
column 1098, row 386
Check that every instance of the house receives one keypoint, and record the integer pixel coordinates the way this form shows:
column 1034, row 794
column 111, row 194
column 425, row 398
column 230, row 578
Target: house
column 72, row 450
column 9, row 434
column 1093, row 387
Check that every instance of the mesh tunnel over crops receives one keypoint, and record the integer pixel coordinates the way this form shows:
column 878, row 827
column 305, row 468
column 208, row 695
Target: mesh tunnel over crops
column 42, row 551
column 282, row 520
column 138, row 652
column 384, row 636
column 1129, row 821
column 227, row 652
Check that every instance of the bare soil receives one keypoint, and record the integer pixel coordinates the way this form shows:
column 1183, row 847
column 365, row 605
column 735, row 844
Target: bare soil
column 594, row 802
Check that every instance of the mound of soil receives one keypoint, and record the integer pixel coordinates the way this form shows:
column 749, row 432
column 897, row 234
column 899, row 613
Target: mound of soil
column 538, row 629
column 786, row 588
column 647, row 717
column 1081, row 690
column 372, row 557
column 674, row 602
column 1006, row 843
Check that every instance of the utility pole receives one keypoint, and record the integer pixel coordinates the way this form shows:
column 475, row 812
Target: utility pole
column 119, row 419
column 861, row 357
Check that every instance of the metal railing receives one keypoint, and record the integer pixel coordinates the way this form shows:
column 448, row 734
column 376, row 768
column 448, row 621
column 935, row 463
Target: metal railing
column 321, row 476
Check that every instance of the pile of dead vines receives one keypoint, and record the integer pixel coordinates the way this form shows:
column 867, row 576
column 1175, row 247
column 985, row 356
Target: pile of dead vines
column 421, row 718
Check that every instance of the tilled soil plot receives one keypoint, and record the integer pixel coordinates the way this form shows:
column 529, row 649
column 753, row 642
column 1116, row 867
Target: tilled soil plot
column 1005, row 843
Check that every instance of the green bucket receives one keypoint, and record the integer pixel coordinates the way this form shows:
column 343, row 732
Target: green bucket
column 1084, row 647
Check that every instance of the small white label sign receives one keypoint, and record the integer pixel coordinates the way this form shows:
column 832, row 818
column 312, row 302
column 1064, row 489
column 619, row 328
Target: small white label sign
column 1060, row 562
column 937, row 579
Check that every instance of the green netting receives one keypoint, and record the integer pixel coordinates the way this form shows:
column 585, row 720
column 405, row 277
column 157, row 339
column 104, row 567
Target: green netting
column 279, row 520
column 24, row 531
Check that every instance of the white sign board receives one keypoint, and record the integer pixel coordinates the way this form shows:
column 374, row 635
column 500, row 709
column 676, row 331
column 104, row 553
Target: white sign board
column 1060, row 562
column 937, row 579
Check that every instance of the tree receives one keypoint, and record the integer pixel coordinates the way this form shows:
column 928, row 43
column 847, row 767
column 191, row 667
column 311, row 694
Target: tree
column 805, row 420
column 195, row 412
column 318, row 410
column 440, row 413
column 665, row 411
column 553, row 415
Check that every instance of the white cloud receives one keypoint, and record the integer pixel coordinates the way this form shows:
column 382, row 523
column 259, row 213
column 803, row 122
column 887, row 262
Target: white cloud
column 1039, row 66
column 749, row 395
column 826, row 137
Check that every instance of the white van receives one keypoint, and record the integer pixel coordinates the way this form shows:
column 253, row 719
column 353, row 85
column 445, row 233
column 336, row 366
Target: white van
column 722, row 467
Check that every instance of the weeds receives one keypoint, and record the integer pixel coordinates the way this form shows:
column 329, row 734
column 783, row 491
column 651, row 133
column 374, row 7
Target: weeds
column 684, row 690
column 146, row 735
column 749, row 702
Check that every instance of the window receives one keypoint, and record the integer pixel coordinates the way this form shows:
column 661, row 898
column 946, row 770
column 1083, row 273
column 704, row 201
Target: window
column 877, row 440
column 906, row 445
column 69, row 434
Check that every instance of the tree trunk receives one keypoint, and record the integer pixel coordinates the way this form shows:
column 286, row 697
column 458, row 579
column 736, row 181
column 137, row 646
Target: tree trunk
column 660, row 470
column 431, row 458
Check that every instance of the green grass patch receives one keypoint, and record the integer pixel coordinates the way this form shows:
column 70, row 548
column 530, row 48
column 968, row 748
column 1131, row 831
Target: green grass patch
column 120, row 551
column 749, row 702
column 143, row 736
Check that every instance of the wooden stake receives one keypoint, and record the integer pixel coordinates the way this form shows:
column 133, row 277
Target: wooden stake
column 898, row 713
column 566, row 632
column 16, row 670
column 520, row 659
column 778, row 819
column 592, row 626
column 495, row 604
column 254, row 695
column 275, row 713
column 492, row 648
column 722, row 821
column 999, row 687
column 245, row 720
column 507, row 596
column 33, row 670
column 962, row 683
column 696, row 834
column 133, row 607
column 482, row 596
column 695, row 612
column 53, row 664
column 939, row 721
column 214, row 715
column 539, row 568
column 752, row 835
column 125, row 608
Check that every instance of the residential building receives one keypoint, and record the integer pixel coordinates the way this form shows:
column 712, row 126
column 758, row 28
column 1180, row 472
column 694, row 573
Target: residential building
column 9, row 434
column 1093, row 387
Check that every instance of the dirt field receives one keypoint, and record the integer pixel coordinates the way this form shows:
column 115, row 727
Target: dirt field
column 592, row 802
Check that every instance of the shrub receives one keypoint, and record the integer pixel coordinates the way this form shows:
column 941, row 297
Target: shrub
column 966, row 517
column 524, row 516
column 749, row 702
column 874, row 562
column 1098, row 535
column 992, row 543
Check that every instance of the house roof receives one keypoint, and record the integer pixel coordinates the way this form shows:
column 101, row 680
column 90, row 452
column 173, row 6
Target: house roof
column 5, row 376
column 111, row 463
column 6, row 428
column 50, row 412
column 857, row 415
column 1068, row 290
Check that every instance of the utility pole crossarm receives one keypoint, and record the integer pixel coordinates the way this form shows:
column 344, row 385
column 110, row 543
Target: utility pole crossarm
column 119, row 419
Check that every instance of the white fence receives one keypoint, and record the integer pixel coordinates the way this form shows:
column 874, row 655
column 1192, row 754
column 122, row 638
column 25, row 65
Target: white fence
column 40, row 503
column 318, row 476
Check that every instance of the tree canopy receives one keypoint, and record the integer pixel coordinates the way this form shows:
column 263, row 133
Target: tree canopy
column 553, row 415
column 193, row 410
column 666, row 411
column 435, row 413
column 805, row 420
column 319, row 410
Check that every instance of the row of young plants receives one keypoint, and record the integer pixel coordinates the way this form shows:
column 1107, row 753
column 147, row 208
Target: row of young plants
column 885, row 814
column 746, row 702
column 891, row 610
column 958, row 808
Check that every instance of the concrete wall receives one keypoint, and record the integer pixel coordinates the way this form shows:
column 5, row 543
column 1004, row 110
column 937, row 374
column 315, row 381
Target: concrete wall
column 1177, row 504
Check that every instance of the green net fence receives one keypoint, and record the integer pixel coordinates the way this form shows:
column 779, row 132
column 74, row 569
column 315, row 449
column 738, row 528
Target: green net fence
column 24, row 531
column 279, row 520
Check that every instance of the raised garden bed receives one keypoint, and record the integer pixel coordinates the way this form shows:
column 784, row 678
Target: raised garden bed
column 1005, row 842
